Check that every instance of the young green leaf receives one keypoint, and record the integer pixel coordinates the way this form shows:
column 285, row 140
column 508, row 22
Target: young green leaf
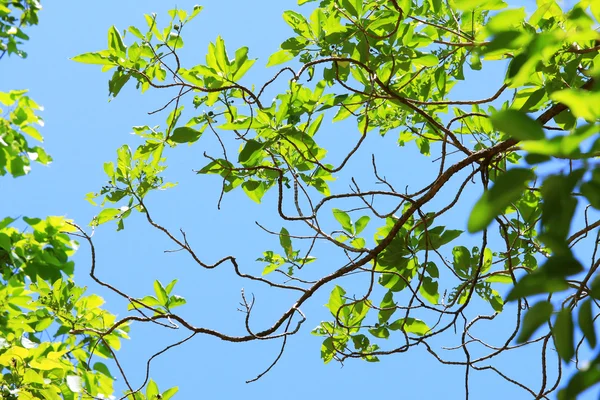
column 108, row 214
column 161, row 293
column 99, row 58
column 115, row 42
column 279, row 57
column 344, row 219
column 361, row 224
column 152, row 390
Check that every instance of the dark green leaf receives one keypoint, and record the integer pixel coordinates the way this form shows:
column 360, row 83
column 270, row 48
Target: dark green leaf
column 410, row 325
column 586, row 322
column 536, row 316
column 508, row 188
column 562, row 331
column 582, row 380
column 185, row 134
column 535, row 284
column 286, row 242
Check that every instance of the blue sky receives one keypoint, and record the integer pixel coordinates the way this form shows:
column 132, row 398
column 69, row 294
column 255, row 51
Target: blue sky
column 83, row 130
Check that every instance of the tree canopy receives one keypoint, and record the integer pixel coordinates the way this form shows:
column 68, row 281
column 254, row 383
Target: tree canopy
column 358, row 88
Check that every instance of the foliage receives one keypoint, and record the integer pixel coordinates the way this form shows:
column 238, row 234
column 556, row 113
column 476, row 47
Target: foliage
column 14, row 16
column 38, row 298
column 388, row 69
column 19, row 118
column 16, row 153
column 43, row 352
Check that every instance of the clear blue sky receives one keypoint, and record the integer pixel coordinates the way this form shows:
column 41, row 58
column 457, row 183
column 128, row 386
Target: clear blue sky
column 83, row 131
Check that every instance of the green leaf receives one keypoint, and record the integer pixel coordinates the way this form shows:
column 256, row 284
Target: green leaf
column 586, row 322
column 106, row 215
column 487, row 260
column 583, row 379
column 6, row 222
column 428, row 60
column 152, row 390
column 170, row 286
column 150, row 301
column 410, row 325
column 185, row 134
column 562, row 331
column 462, row 261
column 161, row 293
column 429, row 290
column 536, row 316
column 279, row 57
column 336, row 300
column 469, row 5
column 361, row 224
column 508, row 188
column 380, row 332
column 167, row 394
column 254, row 189
column 387, row 307
column 344, row 219
column 499, row 278
column 176, row 301
column 252, row 153
column 298, row 23
column 242, row 69
column 115, row 42
column 286, row 242
column 549, row 278
column 195, row 11
column 327, row 350
column 517, row 125
column 93, row 58
column 116, row 83
column 358, row 243
column 582, row 103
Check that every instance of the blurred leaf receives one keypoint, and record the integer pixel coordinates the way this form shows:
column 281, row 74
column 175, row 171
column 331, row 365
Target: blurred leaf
column 517, row 125
column 508, row 188
column 562, row 331
column 582, row 103
column 536, row 316
column 586, row 322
